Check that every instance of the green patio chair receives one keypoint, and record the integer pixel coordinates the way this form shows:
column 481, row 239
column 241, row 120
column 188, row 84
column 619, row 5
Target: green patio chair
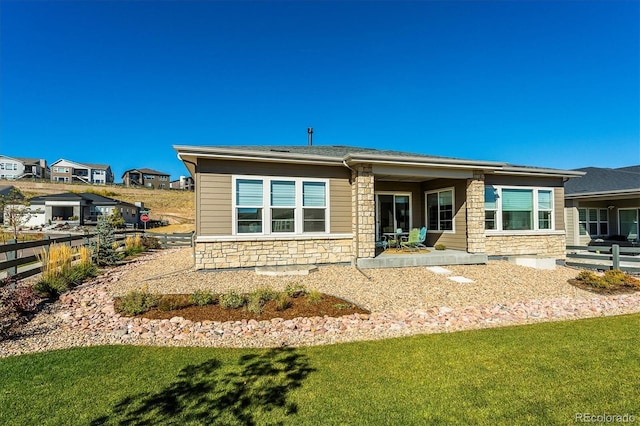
column 411, row 243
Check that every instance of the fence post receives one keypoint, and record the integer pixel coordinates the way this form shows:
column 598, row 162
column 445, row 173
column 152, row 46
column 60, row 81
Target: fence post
column 11, row 255
column 165, row 238
column 615, row 251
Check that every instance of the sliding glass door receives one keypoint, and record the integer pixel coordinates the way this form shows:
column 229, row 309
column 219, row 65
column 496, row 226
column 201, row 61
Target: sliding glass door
column 393, row 211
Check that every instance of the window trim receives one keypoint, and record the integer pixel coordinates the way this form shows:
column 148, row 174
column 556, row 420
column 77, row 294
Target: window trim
column 453, row 210
column 598, row 222
column 267, row 207
column 536, row 217
column 395, row 220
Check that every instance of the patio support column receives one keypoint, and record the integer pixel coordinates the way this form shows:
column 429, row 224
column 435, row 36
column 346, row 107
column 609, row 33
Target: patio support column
column 363, row 221
column 475, row 213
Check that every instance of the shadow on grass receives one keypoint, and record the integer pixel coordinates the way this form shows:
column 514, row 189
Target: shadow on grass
column 252, row 390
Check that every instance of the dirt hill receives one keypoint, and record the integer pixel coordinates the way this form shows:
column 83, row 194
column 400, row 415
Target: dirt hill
column 176, row 207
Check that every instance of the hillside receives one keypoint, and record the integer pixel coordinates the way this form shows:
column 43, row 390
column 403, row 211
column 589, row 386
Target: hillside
column 176, row 207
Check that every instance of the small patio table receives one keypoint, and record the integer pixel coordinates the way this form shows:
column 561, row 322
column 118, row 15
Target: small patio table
column 395, row 236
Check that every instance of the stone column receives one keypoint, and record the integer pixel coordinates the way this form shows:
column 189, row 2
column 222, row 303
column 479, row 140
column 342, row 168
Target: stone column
column 475, row 213
column 363, row 220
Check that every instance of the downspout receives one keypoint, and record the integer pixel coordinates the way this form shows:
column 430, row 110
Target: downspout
column 355, row 236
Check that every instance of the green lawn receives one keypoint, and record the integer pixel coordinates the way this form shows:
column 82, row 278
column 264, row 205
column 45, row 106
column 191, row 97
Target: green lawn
column 537, row 374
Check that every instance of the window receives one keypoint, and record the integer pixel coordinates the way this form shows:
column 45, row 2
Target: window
column 280, row 206
column 518, row 209
column 440, row 210
column 593, row 222
column 149, row 177
column 61, row 170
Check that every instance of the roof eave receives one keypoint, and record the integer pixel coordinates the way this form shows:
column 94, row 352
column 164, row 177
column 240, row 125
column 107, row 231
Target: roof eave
column 597, row 194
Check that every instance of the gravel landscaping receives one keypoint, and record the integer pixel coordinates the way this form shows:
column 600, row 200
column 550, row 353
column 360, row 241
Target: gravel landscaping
column 402, row 301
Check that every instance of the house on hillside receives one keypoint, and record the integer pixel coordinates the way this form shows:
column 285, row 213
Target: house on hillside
column 603, row 204
column 23, row 168
column 79, row 209
column 147, row 178
column 72, row 172
column 285, row 205
column 185, row 183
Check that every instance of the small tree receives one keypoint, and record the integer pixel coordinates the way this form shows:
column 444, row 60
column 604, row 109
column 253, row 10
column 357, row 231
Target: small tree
column 103, row 248
column 115, row 218
column 15, row 210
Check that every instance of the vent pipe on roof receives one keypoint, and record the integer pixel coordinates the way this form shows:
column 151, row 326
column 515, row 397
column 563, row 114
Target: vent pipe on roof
column 310, row 135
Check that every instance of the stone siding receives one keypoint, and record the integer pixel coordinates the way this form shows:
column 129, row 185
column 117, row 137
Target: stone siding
column 364, row 214
column 244, row 254
column 475, row 213
column 549, row 245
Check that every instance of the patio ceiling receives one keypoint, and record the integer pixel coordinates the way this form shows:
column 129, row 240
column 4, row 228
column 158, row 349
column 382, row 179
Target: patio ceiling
column 384, row 172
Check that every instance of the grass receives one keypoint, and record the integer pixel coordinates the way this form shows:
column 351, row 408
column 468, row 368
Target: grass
column 536, row 374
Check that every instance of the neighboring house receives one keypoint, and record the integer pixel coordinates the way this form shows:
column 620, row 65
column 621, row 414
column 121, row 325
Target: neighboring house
column 277, row 205
column 185, row 183
column 5, row 190
column 72, row 172
column 148, row 178
column 23, row 168
column 80, row 209
column 605, row 204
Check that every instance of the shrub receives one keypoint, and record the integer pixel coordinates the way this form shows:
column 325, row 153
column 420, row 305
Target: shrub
column 202, row 298
column 314, row 297
column 283, row 301
column 592, row 279
column 255, row 304
column 171, row 302
column 137, row 302
column 25, row 300
column 231, row 300
column 151, row 243
column 614, row 277
column 133, row 245
column 440, row 247
column 52, row 286
column 631, row 281
column 80, row 272
column 264, row 294
column 295, row 290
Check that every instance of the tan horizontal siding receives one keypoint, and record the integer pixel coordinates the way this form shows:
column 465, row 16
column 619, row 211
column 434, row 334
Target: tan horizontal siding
column 340, row 204
column 214, row 204
column 558, row 204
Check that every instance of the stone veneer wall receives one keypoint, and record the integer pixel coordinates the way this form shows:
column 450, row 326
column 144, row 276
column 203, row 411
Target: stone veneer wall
column 363, row 223
column 475, row 213
column 243, row 254
column 549, row 245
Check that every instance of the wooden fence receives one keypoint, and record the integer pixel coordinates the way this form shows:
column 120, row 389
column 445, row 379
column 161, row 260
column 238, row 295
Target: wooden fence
column 21, row 258
column 626, row 259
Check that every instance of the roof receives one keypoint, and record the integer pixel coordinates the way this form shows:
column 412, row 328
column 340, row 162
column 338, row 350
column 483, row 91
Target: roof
column 340, row 155
column 6, row 190
column 90, row 198
column 600, row 181
column 29, row 160
column 147, row 172
column 89, row 165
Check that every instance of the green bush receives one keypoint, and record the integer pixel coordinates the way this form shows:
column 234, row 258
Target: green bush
column 171, row 302
column 283, row 301
column 440, row 247
column 80, row 272
column 592, row 279
column 231, row 300
column 137, row 302
column 255, row 304
column 151, row 243
column 202, row 298
column 295, row 290
column 614, row 277
column 314, row 297
column 53, row 286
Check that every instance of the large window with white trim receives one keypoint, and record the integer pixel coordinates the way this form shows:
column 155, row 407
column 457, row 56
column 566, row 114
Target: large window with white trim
column 518, row 209
column 280, row 205
column 440, row 210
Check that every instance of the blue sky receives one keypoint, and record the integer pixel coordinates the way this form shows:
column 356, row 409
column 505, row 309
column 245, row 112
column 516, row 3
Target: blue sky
column 546, row 83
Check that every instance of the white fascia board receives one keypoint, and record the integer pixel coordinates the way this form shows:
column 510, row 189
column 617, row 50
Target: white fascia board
column 189, row 152
column 422, row 162
column 606, row 194
column 526, row 171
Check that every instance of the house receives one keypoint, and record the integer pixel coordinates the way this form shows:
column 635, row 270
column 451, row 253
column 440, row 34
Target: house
column 78, row 209
column 6, row 191
column 276, row 205
column 185, row 183
column 604, row 204
column 147, row 178
column 72, row 172
column 23, row 168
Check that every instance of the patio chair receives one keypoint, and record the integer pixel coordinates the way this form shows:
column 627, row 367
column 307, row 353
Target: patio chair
column 410, row 243
column 416, row 239
column 383, row 243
